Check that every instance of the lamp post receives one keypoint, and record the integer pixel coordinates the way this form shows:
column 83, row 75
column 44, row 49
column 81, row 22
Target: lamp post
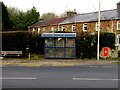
column 98, row 45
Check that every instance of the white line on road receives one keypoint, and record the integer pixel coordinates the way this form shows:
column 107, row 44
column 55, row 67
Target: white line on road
column 106, row 66
column 94, row 79
column 19, row 78
column 90, row 66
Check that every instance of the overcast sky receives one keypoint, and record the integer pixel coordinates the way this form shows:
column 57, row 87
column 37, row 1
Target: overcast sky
column 60, row 6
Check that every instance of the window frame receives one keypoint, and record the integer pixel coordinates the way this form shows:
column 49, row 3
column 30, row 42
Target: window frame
column 96, row 26
column 44, row 29
column 63, row 27
column 73, row 26
column 118, row 23
column 52, row 29
column 39, row 29
column 34, row 30
column 117, row 41
column 84, row 27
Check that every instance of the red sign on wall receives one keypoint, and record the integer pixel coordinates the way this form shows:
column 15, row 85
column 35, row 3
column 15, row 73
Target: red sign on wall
column 105, row 51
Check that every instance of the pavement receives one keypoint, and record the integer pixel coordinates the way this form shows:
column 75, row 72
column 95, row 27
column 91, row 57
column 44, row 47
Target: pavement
column 54, row 62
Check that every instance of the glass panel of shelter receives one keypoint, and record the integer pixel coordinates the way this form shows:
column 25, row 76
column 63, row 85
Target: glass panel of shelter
column 60, row 42
column 60, row 47
column 49, row 42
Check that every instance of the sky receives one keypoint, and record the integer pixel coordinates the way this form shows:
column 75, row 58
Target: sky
column 60, row 6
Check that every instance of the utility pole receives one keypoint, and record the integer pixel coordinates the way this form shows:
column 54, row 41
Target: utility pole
column 98, row 46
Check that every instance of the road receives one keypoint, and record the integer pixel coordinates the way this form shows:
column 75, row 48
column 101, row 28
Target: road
column 83, row 76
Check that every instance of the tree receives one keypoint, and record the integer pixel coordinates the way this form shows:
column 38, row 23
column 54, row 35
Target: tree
column 48, row 16
column 6, row 24
column 13, row 15
column 32, row 16
column 21, row 20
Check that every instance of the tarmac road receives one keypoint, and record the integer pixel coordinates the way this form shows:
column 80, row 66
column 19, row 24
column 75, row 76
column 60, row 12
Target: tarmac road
column 83, row 76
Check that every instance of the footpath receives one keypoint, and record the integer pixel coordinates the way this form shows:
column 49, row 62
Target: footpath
column 53, row 62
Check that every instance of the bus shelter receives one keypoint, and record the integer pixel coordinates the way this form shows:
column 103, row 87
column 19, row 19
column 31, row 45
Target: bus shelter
column 59, row 45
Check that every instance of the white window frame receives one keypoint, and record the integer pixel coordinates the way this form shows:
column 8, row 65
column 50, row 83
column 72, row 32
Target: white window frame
column 118, row 23
column 34, row 30
column 73, row 27
column 52, row 29
column 84, row 27
column 39, row 30
column 119, row 39
column 96, row 26
column 63, row 27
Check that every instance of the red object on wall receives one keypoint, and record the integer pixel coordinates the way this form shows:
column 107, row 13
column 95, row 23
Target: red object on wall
column 105, row 51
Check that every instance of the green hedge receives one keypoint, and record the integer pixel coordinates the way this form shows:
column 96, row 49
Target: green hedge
column 19, row 41
column 86, row 43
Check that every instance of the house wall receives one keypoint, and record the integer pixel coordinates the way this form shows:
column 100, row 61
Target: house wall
column 106, row 26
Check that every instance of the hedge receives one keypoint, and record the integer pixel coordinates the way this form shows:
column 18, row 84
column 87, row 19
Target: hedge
column 86, row 43
column 19, row 41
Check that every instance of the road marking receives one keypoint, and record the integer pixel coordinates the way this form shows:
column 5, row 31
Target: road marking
column 19, row 78
column 94, row 79
column 90, row 66
column 106, row 66
column 95, row 66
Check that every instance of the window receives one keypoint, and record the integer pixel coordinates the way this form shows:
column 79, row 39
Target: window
column 63, row 28
column 33, row 29
column 118, row 25
column 44, row 29
column 53, row 29
column 38, row 30
column 85, row 27
column 73, row 28
column 96, row 26
column 118, row 39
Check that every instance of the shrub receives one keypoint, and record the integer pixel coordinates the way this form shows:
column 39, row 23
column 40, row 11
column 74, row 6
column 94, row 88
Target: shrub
column 86, row 44
column 19, row 41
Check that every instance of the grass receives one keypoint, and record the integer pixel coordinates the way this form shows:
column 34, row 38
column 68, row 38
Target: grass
column 115, row 62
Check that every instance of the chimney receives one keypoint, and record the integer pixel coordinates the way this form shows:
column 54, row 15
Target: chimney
column 71, row 13
column 118, row 6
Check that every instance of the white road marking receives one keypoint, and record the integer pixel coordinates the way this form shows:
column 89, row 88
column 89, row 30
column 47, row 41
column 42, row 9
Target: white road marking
column 90, row 66
column 106, row 66
column 19, row 78
column 95, row 66
column 94, row 79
